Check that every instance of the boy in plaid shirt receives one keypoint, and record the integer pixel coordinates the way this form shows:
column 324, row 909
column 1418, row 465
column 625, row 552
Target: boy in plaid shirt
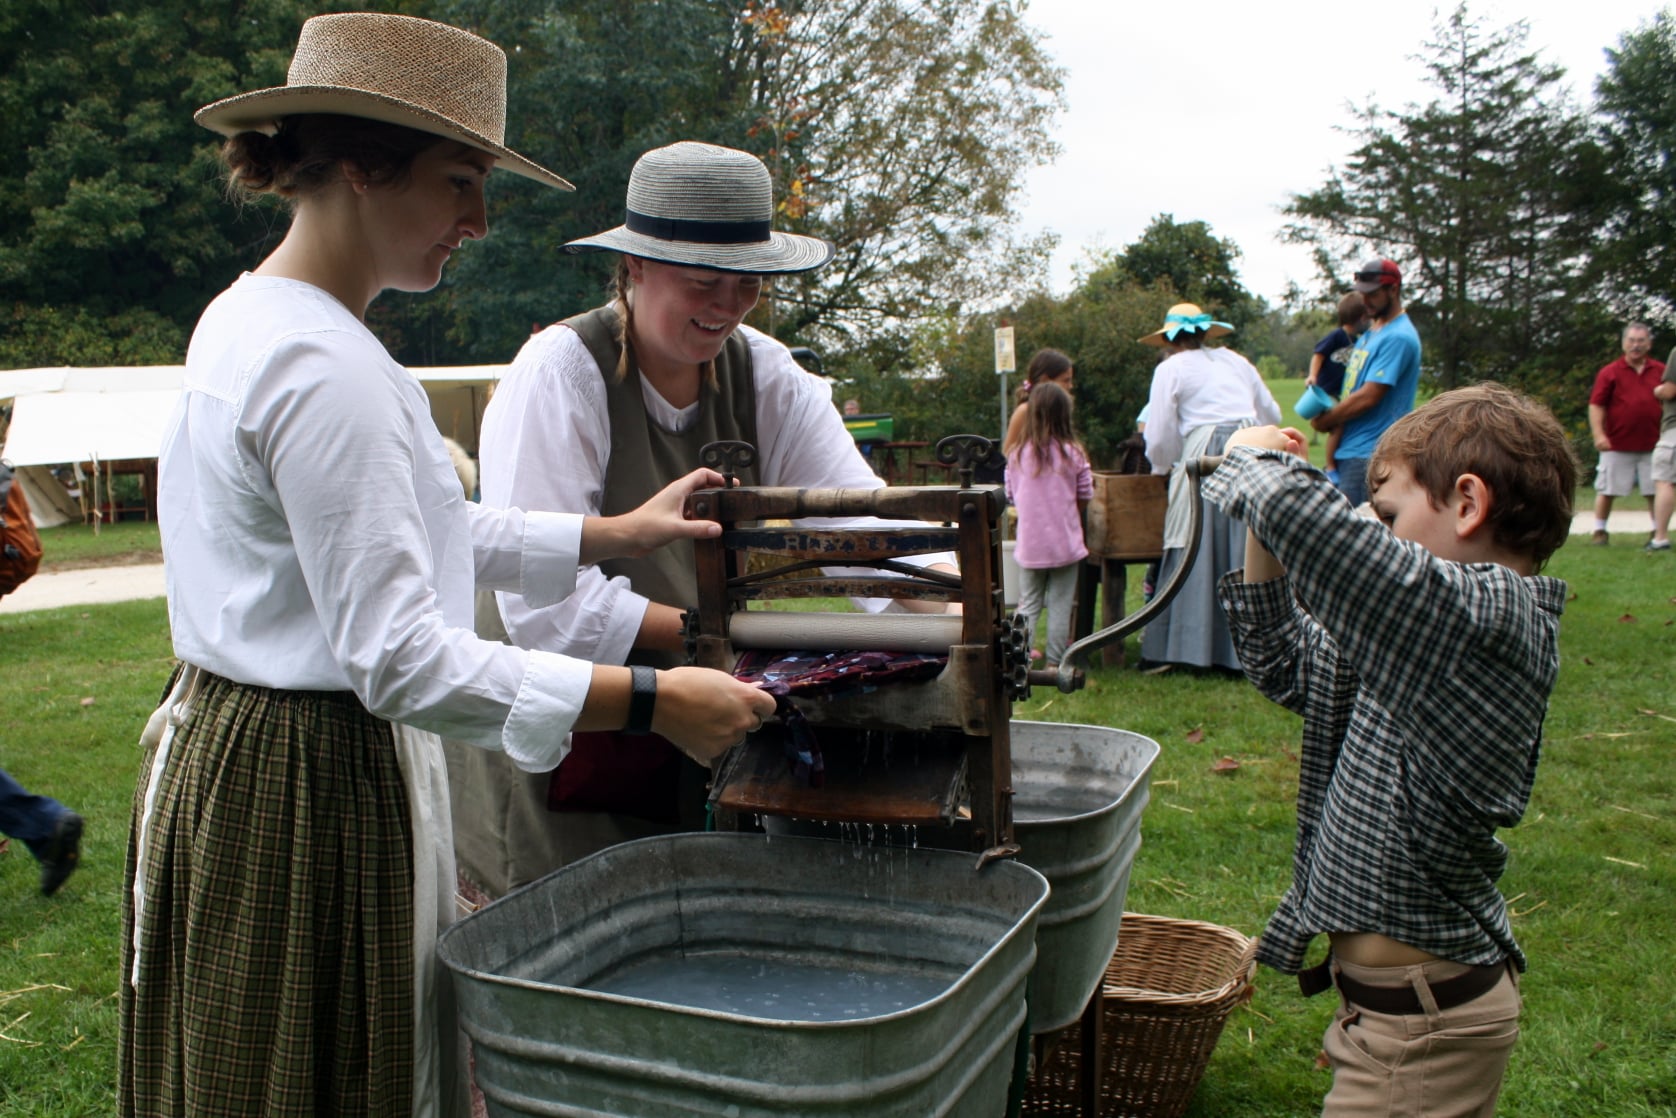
column 1421, row 655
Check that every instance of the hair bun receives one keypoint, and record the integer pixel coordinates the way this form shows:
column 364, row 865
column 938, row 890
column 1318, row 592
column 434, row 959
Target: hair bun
column 255, row 160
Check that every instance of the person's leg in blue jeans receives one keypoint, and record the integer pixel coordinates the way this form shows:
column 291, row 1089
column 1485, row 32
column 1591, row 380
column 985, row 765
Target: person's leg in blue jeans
column 51, row 831
column 1353, row 479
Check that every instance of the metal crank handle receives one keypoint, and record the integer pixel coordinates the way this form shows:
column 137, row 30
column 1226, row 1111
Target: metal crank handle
column 1070, row 667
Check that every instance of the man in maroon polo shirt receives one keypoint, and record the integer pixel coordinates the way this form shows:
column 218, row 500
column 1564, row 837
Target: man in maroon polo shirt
column 1624, row 419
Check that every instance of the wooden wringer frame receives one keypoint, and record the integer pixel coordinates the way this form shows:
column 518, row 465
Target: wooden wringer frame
column 918, row 754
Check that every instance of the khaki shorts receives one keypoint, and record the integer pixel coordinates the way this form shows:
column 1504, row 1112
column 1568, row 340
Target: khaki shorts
column 1664, row 458
column 1621, row 470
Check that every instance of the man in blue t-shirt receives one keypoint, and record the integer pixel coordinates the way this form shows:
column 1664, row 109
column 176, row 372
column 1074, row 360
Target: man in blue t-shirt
column 1381, row 378
column 1332, row 354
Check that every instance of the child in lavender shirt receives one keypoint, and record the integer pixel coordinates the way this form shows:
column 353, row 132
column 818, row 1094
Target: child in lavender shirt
column 1050, row 482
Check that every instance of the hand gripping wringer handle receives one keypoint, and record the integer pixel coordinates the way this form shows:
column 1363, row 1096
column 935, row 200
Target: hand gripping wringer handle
column 1070, row 666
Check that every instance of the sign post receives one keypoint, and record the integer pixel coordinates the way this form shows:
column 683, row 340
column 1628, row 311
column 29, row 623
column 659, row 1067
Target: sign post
column 1004, row 364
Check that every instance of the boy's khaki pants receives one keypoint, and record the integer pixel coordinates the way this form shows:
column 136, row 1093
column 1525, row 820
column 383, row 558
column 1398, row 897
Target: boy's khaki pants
column 1435, row 1063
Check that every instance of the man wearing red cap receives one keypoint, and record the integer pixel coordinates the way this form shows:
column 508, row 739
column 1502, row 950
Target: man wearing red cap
column 1624, row 418
column 1381, row 378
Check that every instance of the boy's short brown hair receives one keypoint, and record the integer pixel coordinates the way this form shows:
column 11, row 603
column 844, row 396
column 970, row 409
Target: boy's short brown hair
column 1511, row 441
column 1352, row 309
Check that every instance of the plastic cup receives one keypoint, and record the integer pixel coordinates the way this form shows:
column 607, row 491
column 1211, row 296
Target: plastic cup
column 1313, row 402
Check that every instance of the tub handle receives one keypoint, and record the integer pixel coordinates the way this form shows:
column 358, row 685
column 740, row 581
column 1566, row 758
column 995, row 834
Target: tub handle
column 996, row 853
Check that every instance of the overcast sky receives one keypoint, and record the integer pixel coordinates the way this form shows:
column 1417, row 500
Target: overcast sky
column 1216, row 111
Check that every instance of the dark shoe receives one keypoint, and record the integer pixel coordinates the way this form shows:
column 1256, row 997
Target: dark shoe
column 63, row 853
column 1657, row 545
column 1600, row 538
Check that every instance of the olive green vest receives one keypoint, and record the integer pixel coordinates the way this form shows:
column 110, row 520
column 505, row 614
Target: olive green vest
column 645, row 457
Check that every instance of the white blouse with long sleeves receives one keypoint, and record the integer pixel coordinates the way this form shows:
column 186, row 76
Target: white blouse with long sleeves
column 316, row 537
column 547, row 440
column 1197, row 387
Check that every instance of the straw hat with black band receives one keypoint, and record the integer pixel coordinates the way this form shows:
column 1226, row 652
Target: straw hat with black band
column 396, row 69
column 704, row 206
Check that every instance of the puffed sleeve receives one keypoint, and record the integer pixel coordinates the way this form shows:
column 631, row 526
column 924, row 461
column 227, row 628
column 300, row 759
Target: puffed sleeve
column 326, row 433
column 545, row 445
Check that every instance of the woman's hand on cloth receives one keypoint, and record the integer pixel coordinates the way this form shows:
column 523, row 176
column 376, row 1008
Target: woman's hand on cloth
column 655, row 523
column 706, row 712
column 1287, row 439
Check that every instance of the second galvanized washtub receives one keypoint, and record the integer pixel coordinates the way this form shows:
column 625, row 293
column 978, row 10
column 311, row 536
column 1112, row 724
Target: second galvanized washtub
column 1078, row 794
column 738, row 975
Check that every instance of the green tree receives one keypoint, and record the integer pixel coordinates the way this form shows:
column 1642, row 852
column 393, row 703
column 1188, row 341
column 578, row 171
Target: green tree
column 954, row 387
column 1635, row 255
column 902, row 129
column 1200, row 266
column 1474, row 195
column 42, row 336
column 592, row 85
column 110, row 203
column 898, row 129
column 1287, row 336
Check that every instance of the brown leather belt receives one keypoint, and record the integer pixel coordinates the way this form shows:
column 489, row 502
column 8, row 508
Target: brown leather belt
column 1399, row 1000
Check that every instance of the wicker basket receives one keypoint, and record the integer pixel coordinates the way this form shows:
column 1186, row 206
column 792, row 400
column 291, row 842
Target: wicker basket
column 1166, row 995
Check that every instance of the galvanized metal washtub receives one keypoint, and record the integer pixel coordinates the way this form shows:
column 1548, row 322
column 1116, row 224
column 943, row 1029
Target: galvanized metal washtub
column 535, row 972
column 1078, row 794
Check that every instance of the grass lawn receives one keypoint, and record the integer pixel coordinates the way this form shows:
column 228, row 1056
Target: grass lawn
column 1591, row 868
column 71, row 546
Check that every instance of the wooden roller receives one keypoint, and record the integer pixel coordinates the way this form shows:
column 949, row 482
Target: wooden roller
column 845, row 632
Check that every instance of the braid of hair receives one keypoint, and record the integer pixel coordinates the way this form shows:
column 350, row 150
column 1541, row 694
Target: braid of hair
column 620, row 283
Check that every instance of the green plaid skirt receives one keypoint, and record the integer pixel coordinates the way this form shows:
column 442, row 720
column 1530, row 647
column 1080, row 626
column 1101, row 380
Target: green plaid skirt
column 275, row 966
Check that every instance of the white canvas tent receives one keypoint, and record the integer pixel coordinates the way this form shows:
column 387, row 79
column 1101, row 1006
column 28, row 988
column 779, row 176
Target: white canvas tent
column 63, row 416
column 54, row 428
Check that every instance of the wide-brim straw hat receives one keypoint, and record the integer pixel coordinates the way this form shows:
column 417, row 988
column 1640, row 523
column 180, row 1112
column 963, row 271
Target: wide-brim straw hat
column 396, row 69
column 705, row 207
column 1186, row 318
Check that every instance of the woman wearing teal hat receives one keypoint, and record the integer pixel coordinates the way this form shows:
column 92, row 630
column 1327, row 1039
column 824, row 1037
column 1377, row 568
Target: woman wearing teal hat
column 1200, row 395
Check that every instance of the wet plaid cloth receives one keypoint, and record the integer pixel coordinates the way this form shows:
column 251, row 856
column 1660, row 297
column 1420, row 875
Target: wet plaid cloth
column 825, row 674
column 276, row 972
column 1423, row 685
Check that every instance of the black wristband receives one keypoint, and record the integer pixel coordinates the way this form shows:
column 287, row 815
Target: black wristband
column 642, row 700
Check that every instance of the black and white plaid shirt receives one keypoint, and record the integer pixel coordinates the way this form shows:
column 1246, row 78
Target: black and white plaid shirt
column 1422, row 683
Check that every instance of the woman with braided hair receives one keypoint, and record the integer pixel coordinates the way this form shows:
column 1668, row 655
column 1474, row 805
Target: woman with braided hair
column 603, row 407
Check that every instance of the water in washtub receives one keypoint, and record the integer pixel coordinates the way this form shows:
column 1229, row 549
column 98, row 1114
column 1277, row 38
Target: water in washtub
column 776, row 989
column 792, row 987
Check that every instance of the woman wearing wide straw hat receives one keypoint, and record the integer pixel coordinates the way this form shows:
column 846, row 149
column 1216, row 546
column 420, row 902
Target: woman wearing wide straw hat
column 603, row 408
column 1200, row 395
column 291, row 860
